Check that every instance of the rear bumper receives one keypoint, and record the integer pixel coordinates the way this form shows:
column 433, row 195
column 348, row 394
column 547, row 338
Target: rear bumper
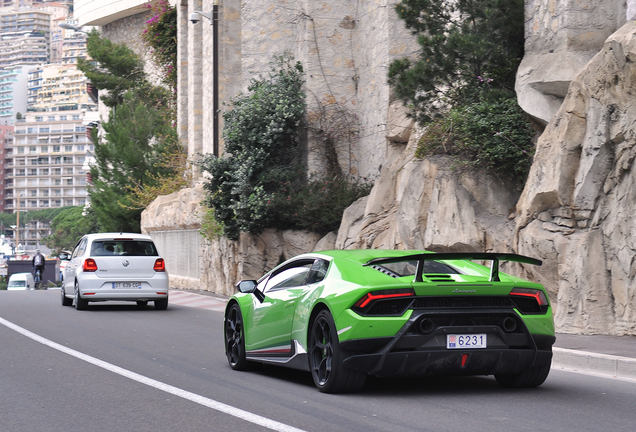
column 476, row 362
column 123, row 295
column 413, row 352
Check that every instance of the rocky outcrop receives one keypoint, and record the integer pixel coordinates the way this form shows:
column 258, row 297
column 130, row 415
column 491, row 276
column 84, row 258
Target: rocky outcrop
column 561, row 37
column 576, row 210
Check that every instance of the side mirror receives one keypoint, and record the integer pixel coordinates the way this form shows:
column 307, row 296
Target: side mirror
column 64, row 256
column 249, row 287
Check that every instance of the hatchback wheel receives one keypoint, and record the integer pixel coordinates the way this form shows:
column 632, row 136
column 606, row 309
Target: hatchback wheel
column 65, row 300
column 161, row 304
column 80, row 303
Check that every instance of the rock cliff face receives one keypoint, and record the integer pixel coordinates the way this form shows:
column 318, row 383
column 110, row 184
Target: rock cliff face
column 574, row 212
column 579, row 199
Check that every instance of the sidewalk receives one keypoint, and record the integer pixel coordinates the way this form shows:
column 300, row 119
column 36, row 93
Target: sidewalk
column 604, row 355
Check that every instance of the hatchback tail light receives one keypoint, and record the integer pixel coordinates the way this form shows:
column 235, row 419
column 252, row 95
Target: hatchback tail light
column 89, row 265
column 160, row 265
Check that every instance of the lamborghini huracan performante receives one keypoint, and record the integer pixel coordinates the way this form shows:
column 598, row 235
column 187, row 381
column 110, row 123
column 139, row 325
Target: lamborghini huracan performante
column 345, row 314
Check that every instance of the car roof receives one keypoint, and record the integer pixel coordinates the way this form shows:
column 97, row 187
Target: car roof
column 362, row 256
column 117, row 236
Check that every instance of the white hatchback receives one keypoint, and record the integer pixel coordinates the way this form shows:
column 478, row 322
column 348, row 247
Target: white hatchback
column 115, row 266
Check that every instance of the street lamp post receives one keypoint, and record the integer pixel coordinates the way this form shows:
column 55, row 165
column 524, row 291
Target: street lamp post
column 214, row 21
column 68, row 26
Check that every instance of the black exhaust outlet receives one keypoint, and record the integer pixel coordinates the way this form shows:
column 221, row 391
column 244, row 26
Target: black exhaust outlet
column 427, row 325
column 509, row 324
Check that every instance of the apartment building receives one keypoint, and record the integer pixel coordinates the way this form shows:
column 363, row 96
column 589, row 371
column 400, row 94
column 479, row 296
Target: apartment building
column 13, row 92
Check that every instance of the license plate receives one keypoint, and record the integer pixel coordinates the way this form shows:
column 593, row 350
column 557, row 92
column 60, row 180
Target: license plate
column 456, row 341
column 126, row 285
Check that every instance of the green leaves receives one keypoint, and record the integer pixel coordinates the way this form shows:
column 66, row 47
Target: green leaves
column 459, row 41
column 114, row 67
column 491, row 134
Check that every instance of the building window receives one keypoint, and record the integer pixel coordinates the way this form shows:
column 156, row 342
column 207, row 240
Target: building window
column 68, row 148
column 51, row 118
column 44, row 149
column 56, row 149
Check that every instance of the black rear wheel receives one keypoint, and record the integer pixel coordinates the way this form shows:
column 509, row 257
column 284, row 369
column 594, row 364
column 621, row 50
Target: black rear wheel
column 326, row 357
column 161, row 304
column 235, row 339
column 80, row 303
column 65, row 300
column 532, row 377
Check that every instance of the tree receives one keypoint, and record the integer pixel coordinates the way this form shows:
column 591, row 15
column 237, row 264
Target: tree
column 464, row 45
column 114, row 67
column 131, row 153
column 138, row 156
column 68, row 226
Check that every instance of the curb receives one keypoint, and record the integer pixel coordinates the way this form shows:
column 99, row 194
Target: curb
column 602, row 364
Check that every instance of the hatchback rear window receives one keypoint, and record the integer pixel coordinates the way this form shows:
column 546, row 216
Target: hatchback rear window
column 123, row 247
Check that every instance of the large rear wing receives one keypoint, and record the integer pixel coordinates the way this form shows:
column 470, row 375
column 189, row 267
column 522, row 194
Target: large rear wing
column 482, row 256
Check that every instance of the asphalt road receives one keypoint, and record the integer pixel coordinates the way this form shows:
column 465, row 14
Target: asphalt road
column 118, row 368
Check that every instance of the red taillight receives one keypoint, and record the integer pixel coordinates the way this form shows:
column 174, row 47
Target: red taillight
column 89, row 265
column 536, row 294
column 160, row 265
column 385, row 294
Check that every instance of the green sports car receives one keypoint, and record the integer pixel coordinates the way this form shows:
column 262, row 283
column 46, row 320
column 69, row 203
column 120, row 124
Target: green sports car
column 347, row 314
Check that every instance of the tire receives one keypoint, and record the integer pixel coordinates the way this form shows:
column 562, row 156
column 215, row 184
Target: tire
column 528, row 378
column 326, row 357
column 80, row 303
column 161, row 304
column 65, row 300
column 142, row 303
column 234, row 337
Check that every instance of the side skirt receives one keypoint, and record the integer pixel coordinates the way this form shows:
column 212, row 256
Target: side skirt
column 292, row 356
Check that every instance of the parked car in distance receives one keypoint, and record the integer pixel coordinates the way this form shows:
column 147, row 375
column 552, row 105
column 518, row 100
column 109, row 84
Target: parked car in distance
column 21, row 281
column 115, row 266
column 345, row 314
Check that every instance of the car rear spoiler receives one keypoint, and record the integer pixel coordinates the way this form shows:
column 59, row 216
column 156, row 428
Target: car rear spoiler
column 484, row 256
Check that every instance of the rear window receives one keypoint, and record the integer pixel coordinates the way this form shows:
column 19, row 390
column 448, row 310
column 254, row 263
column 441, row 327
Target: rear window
column 17, row 283
column 123, row 247
column 408, row 268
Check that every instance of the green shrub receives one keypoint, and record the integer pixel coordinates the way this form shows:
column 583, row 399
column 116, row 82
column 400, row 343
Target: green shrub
column 261, row 182
column 492, row 134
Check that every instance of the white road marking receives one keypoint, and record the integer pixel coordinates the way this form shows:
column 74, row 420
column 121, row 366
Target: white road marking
column 182, row 298
column 193, row 397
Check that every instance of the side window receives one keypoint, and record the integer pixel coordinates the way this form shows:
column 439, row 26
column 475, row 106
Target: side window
column 318, row 271
column 79, row 249
column 290, row 277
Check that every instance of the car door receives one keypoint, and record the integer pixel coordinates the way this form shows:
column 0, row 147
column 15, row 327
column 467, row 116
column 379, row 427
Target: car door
column 271, row 321
column 72, row 266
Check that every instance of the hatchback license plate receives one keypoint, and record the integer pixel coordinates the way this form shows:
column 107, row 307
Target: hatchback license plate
column 126, row 285
column 456, row 341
